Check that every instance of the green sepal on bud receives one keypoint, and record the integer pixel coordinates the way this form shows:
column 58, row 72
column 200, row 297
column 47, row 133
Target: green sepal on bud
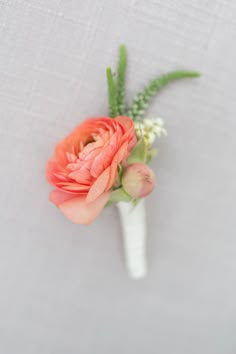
column 141, row 153
column 150, row 155
column 119, row 195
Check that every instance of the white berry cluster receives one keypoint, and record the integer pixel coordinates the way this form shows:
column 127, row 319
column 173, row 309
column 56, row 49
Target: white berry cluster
column 149, row 129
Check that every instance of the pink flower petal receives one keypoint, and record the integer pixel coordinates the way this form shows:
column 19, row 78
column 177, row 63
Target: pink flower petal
column 99, row 186
column 79, row 211
column 57, row 196
column 73, row 187
column 129, row 134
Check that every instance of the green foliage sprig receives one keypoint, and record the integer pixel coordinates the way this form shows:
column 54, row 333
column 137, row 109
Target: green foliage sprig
column 111, row 94
column 143, row 98
column 121, row 71
column 116, row 89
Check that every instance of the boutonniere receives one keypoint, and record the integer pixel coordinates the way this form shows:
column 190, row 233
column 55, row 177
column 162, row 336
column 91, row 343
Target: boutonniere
column 105, row 161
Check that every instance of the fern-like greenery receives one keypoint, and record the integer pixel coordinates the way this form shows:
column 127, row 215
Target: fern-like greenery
column 143, row 98
column 116, row 89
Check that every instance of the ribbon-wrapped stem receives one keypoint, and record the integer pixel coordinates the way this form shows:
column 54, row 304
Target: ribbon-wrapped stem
column 133, row 221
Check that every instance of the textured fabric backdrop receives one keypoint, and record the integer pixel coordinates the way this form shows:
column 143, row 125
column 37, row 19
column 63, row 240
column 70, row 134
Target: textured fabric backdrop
column 64, row 289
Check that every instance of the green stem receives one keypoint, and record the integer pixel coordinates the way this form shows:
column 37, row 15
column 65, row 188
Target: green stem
column 111, row 94
column 121, row 69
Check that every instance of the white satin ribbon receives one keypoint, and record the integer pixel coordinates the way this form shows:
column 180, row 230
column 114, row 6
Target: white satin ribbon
column 133, row 221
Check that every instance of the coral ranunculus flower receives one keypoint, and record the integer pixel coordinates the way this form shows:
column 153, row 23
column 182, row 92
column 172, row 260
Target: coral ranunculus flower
column 84, row 166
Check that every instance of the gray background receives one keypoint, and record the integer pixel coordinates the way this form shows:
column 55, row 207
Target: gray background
column 64, row 288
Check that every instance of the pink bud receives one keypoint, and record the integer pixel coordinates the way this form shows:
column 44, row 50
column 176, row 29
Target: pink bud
column 138, row 180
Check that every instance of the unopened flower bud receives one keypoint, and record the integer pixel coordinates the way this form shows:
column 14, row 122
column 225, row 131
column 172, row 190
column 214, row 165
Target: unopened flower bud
column 138, row 180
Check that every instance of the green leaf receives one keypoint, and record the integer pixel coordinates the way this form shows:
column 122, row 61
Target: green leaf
column 143, row 98
column 150, row 155
column 138, row 154
column 118, row 195
column 111, row 94
column 120, row 84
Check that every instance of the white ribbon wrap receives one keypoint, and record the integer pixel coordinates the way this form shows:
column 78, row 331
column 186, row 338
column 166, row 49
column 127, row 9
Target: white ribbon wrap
column 133, row 221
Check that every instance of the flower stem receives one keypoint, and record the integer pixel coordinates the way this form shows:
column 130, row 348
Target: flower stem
column 120, row 83
column 111, row 94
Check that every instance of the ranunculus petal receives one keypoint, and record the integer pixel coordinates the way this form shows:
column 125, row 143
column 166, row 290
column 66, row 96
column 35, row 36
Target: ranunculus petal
column 120, row 155
column 128, row 126
column 79, row 211
column 99, row 186
column 125, row 121
column 72, row 187
column 57, row 196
